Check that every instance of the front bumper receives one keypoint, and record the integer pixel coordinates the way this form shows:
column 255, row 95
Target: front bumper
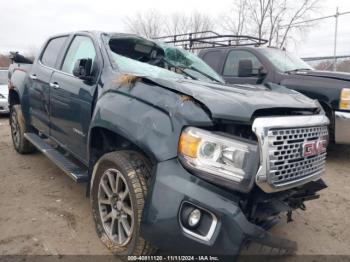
column 342, row 127
column 4, row 106
column 171, row 185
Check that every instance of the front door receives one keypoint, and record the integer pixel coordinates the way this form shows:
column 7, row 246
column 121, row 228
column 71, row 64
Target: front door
column 71, row 99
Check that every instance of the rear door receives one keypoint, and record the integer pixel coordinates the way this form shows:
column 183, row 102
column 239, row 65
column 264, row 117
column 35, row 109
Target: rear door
column 214, row 58
column 231, row 72
column 40, row 76
column 71, row 98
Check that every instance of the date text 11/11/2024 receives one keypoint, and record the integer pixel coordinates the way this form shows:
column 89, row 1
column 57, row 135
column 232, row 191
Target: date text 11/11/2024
column 173, row 258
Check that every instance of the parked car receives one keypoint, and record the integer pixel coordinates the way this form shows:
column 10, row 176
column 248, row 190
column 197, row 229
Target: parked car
column 174, row 158
column 262, row 64
column 4, row 109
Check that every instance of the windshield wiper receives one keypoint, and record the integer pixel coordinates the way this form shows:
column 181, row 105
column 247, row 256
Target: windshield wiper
column 179, row 68
column 202, row 73
column 297, row 69
column 182, row 69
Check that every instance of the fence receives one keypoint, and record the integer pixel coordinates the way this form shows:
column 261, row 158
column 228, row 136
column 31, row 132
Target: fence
column 336, row 63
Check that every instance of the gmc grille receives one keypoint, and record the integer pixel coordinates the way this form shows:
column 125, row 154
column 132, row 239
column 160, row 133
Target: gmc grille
column 292, row 150
column 286, row 160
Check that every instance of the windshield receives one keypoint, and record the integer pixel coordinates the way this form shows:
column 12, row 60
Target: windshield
column 131, row 66
column 190, row 63
column 140, row 56
column 284, row 61
column 3, row 77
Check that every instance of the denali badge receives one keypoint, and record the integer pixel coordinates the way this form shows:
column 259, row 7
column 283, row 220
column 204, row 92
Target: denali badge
column 313, row 148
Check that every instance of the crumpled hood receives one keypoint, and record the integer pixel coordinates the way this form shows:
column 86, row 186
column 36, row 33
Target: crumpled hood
column 326, row 74
column 239, row 102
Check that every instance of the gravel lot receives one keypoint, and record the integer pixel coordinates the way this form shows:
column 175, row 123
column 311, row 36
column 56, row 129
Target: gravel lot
column 44, row 212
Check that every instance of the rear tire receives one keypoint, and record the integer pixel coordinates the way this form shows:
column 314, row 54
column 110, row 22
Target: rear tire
column 18, row 128
column 118, row 193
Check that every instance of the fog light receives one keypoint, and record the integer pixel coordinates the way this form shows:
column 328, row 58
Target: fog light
column 194, row 218
column 197, row 221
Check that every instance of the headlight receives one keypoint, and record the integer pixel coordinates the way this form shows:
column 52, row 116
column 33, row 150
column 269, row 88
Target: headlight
column 225, row 160
column 344, row 102
column 2, row 96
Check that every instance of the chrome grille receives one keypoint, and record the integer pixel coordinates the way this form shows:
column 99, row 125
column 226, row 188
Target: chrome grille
column 286, row 160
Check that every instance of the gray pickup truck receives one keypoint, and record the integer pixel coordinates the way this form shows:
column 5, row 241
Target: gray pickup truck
column 167, row 149
column 262, row 64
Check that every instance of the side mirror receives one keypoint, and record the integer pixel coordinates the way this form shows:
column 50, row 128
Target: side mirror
column 261, row 75
column 245, row 68
column 262, row 71
column 82, row 68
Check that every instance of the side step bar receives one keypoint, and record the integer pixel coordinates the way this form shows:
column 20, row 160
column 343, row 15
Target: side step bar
column 75, row 172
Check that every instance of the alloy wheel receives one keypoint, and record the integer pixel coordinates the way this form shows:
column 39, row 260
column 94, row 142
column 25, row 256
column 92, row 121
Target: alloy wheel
column 15, row 129
column 115, row 207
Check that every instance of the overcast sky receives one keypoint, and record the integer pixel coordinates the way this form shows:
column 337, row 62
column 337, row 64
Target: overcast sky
column 25, row 24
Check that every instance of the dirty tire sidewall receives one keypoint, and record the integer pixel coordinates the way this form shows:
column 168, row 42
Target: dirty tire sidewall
column 23, row 146
column 135, row 178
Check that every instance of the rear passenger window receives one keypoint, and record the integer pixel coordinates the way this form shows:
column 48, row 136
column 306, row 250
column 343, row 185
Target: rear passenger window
column 213, row 58
column 52, row 50
column 233, row 59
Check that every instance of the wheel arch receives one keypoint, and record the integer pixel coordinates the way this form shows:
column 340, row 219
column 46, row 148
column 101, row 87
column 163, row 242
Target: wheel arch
column 103, row 140
column 14, row 98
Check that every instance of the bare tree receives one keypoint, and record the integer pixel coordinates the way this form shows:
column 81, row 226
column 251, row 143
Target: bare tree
column 276, row 11
column 152, row 24
column 234, row 21
column 258, row 10
column 195, row 22
column 177, row 24
column 269, row 19
column 149, row 24
column 299, row 13
column 199, row 22
column 274, row 19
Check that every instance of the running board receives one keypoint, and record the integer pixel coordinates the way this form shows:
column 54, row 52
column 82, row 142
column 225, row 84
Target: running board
column 75, row 172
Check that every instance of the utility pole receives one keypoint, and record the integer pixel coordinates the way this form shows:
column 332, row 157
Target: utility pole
column 335, row 41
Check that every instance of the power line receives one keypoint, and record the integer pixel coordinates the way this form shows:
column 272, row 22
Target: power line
column 315, row 19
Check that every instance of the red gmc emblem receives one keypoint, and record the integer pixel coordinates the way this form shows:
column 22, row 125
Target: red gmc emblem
column 313, row 148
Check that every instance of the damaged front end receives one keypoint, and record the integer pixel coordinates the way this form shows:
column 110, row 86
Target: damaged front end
column 245, row 154
column 264, row 210
column 231, row 221
column 238, row 201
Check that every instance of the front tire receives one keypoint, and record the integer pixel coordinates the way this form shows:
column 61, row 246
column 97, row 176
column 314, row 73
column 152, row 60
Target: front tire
column 18, row 128
column 118, row 192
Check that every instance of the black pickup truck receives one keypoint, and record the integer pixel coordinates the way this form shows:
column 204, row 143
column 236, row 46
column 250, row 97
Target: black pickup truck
column 174, row 158
column 260, row 64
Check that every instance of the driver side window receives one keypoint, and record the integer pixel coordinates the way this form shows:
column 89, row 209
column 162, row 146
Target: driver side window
column 235, row 58
column 81, row 47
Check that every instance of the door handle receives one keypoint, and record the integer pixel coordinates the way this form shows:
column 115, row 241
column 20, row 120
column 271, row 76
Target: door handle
column 33, row 76
column 55, row 85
